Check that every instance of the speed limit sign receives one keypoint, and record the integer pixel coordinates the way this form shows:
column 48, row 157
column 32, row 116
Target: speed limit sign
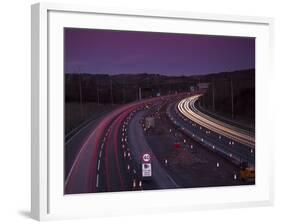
column 146, row 157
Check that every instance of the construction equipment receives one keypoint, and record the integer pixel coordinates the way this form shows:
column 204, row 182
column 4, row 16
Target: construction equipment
column 247, row 173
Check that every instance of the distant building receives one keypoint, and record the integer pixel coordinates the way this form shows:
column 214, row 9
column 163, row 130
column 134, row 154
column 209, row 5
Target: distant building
column 203, row 86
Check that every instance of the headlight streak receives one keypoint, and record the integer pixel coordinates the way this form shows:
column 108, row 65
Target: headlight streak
column 187, row 108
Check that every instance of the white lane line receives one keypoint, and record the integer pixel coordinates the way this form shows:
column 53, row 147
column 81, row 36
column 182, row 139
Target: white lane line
column 82, row 127
column 99, row 165
column 100, row 153
column 77, row 157
column 97, row 182
column 102, row 145
column 171, row 179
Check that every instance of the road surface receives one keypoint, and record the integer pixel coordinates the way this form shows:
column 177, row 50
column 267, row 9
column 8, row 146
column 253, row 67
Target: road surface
column 139, row 146
column 105, row 155
column 100, row 164
column 187, row 108
column 234, row 144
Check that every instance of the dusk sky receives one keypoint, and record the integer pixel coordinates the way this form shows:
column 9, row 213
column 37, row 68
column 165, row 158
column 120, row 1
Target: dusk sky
column 118, row 52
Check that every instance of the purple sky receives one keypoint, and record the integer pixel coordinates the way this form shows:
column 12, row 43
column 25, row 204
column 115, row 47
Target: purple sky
column 116, row 52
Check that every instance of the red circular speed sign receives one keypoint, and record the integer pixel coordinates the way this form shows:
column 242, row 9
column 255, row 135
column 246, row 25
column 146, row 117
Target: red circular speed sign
column 146, row 157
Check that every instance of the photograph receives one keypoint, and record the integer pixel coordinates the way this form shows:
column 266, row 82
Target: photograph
column 157, row 110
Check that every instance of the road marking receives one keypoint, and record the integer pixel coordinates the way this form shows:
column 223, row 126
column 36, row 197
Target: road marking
column 85, row 144
column 99, row 165
column 82, row 127
column 77, row 158
column 97, row 182
column 171, row 179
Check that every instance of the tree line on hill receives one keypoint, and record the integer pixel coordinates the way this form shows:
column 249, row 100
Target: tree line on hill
column 229, row 93
column 232, row 95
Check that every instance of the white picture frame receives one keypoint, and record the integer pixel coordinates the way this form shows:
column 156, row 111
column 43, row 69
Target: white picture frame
column 48, row 201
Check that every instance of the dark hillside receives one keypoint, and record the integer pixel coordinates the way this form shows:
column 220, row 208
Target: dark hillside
column 240, row 85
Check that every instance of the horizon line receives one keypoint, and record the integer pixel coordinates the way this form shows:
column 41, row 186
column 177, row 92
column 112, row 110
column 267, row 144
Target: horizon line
column 151, row 73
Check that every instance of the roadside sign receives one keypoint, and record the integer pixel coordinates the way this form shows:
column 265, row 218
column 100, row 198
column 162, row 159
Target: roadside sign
column 146, row 157
column 146, row 165
column 146, row 170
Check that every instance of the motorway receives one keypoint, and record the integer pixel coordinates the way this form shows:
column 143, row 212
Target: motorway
column 187, row 108
column 231, row 142
column 103, row 161
column 138, row 145
column 105, row 155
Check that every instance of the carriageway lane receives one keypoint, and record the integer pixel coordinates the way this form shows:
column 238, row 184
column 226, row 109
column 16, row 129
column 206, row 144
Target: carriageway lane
column 228, row 148
column 188, row 109
column 97, row 166
column 138, row 146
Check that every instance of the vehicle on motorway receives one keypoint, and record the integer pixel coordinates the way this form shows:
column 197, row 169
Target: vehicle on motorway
column 149, row 122
column 177, row 145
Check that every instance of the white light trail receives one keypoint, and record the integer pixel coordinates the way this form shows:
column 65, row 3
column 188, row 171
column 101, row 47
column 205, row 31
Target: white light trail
column 187, row 108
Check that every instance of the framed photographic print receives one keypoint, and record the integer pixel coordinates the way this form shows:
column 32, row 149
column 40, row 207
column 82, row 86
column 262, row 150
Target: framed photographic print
column 161, row 111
